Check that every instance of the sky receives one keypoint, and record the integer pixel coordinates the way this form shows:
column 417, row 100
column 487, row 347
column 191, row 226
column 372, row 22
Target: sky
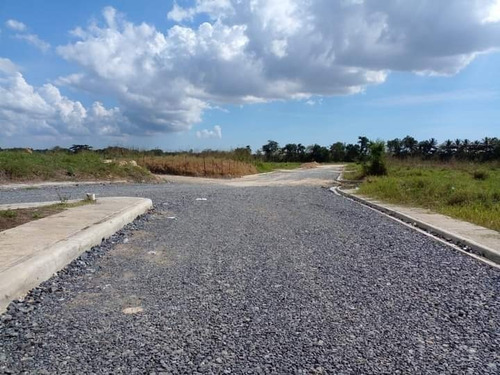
column 220, row 74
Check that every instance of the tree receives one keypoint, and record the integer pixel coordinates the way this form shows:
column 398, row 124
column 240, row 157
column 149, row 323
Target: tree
column 319, row 153
column 364, row 144
column 409, row 146
column 427, row 148
column 395, row 147
column 271, row 150
column 447, row 149
column 337, row 151
column 351, row 152
column 301, row 151
column 290, row 152
column 75, row 149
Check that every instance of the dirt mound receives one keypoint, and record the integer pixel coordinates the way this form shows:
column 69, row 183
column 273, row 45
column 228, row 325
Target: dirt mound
column 310, row 165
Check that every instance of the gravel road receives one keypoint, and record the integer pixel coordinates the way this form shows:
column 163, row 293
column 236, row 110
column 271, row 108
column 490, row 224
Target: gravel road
column 256, row 280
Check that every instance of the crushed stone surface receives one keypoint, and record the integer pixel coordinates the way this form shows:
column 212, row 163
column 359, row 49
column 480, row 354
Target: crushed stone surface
column 256, row 280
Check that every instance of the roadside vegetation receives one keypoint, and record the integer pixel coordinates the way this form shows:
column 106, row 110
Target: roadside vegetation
column 197, row 166
column 464, row 190
column 81, row 162
column 264, row 167
column 13, row 218
column 458, row 178
column 60, row 165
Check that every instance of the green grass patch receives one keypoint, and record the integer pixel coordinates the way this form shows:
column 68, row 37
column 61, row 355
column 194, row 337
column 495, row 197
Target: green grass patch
column 263, row 167
column 353, row 172
column 38, row 166
column 14, row 217
column 465, row 191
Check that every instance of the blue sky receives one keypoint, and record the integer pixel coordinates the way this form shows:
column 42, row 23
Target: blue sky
column 222, row 73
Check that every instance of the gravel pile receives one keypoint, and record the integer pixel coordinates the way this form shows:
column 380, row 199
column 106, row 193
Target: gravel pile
column 288, row 280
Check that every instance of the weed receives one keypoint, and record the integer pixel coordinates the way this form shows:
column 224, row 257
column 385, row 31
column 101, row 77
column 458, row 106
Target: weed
column 62, row 197
column 480, row 175
column 8, row 214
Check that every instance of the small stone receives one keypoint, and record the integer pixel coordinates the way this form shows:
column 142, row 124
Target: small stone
column 133, row 310
column 6, row 318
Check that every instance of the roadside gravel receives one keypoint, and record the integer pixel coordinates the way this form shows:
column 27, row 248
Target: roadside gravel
column 284, row 280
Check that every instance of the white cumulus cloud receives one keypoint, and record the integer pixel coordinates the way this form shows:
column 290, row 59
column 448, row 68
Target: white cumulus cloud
column 25, row 109
column 493, row 12
column 216, row 133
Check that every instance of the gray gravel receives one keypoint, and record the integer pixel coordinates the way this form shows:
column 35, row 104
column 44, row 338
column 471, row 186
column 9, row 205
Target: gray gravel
column 283, row 280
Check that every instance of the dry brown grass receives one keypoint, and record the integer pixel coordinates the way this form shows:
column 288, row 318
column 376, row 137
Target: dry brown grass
column 197, row 166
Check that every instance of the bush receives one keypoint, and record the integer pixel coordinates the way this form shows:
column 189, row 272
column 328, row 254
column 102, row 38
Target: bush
column 480, row 175
column 376, row 164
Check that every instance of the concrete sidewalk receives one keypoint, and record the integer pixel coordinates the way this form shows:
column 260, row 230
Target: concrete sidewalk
column 33, row 252
column 484, row 241
column 39, row 185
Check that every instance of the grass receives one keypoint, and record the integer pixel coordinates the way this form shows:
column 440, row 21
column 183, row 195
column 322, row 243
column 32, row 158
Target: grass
column 263, row 167
column 353, row 172
column 37, row 166
column 13, row 218
column 466, row 191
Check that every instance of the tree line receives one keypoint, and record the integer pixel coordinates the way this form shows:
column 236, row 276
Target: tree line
column 487, row 149
column 484, row 150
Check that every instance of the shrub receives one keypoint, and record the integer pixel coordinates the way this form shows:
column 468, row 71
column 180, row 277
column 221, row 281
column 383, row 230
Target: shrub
column 376, row 164
column 480, row 175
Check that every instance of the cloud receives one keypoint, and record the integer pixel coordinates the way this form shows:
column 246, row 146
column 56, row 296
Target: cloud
column 492, row 13
column 35, row 41
column 7, row 66
column 29, row 110
column 258, row 51
column 216, row 133
column 22, row 34
column 15, row 25
column 313, row 102
column 214, row 8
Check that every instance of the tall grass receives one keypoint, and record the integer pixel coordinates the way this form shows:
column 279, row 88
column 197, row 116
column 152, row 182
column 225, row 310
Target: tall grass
column 112, row 163
column 463, row 190
column 197, row 166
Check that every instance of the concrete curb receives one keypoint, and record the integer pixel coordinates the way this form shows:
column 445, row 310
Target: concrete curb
column 478, row 248
column 19, row 279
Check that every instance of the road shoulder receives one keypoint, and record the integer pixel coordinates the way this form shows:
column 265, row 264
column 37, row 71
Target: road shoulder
column 483, row 241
